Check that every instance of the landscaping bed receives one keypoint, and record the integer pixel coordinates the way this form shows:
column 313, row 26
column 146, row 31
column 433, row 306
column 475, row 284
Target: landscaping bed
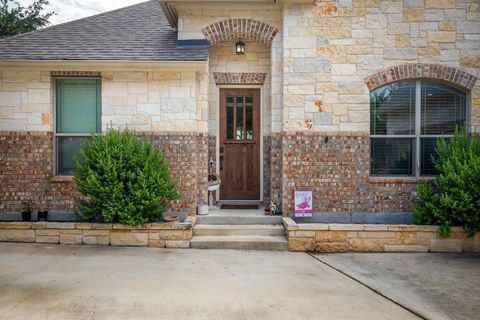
column 164, row 235
column 335, row 237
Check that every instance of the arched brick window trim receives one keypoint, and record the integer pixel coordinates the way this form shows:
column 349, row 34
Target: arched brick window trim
column 450, row 75
column 234, row 29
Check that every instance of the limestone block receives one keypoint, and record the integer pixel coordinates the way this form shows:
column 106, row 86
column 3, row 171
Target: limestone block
column 402, row 41
column 129, row 76
column 441, row 36
column 331, row 236
column 413, row 14
column 20, row 76
column 114, row 89
column 47, row 232
column 301, row 244
column 47, row 239
column 70, row 239
column 405, row 248
column 171, row 235
column 105, row 233
column 446, row 245
column 10, row 99
column 398, row 28
column 137, row 88
column 404, row 238
column 376, row 235
column 150, row 109
column 156, row 243
column 369, row 62
column 323, row 118
column 439, row 4
column 135, row 239
column 17, row 235
column 367, row 245
column 180, row 92
column 181, row 244
column 434, row 15
column 95, row 240
column 376, row 21
column 331, row 247
column 166, row 75
column 401, row 53
column 304, row 234
column 311, row 65
column 343, row 69
column 414, row 3
column 470, row 61
column 60, row 225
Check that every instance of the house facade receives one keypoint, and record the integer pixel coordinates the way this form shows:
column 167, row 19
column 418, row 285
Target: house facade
column 345, row 98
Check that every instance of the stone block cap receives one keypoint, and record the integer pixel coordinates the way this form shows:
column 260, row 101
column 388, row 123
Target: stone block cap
column 233, row 29
column 451, row 75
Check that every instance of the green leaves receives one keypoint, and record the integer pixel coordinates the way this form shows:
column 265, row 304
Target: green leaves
column 16, row 19
column 453, row 197
column 124, row 179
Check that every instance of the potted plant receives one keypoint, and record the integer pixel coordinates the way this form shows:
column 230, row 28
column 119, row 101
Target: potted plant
column 27, row 210
column 42, row 213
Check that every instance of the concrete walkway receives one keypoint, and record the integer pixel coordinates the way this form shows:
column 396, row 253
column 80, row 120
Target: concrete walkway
column 85, row 282
column 435, row 286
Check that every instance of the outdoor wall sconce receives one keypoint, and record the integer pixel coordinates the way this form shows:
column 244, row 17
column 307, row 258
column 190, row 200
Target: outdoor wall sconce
column 240, row 47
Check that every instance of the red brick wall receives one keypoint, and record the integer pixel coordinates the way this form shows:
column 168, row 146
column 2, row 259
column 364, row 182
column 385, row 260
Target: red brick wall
column 337, row 171
column 26, row 161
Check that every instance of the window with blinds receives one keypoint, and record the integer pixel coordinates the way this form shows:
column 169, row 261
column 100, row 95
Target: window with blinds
column 77, row 116
column 406, row 120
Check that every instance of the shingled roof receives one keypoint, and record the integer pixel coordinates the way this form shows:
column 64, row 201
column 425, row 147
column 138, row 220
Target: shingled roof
column 135, row 33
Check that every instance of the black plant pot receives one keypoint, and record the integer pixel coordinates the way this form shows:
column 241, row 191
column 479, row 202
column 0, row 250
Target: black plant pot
column 27, row 216
column 42, row 215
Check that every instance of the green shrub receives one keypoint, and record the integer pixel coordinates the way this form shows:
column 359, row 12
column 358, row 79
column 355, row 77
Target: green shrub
column 453, row 197
column 123, row 178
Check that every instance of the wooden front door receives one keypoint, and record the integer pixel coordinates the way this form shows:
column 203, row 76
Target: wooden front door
column 240, row 144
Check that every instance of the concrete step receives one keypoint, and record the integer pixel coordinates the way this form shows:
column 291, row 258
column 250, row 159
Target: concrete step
column 238, row 230
column 238, row 220
column 240, row 242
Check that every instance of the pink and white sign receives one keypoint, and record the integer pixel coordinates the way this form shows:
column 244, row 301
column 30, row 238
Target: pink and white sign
column 303, row 203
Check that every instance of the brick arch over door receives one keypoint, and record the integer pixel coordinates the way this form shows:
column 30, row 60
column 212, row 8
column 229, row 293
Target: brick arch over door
column 233, row 29
column 450, row 75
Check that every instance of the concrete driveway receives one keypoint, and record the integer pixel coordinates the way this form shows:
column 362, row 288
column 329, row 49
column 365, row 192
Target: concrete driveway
column 85, row 282
column 435, row 286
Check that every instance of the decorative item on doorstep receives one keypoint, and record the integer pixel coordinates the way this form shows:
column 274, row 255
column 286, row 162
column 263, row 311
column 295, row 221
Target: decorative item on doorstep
column 273, row 209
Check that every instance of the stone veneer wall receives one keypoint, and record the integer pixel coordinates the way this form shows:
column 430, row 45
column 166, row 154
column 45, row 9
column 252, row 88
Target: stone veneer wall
column 163, row 235
column 321, row 237
column 27, row 161
column 336, row 168
column 331, row 47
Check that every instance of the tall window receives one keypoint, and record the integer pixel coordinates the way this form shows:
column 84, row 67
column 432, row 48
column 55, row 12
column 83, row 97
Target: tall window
column 78, row 115
column 406, row 119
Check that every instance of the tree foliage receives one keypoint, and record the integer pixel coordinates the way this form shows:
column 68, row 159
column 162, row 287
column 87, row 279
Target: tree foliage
column 124, row 179
column 453, row 197
column 16, row 19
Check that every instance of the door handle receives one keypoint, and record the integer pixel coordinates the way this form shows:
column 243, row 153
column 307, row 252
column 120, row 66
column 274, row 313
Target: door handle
column 221, row 162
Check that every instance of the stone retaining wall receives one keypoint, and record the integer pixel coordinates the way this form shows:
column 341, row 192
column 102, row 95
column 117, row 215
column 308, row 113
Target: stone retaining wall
column 320, row 237
column 163, row 235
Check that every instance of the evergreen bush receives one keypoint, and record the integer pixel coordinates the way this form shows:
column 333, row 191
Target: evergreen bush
column 124, row 179
column 453, row 197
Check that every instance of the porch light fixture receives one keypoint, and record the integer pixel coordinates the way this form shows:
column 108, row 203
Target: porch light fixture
column 240, row 47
